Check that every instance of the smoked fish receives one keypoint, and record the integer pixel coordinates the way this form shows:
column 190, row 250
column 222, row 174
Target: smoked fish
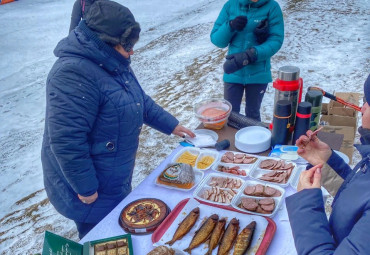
column 185, row 226
column 203, row 233
column 244, row 239
column 229, row 237
column 216, row 236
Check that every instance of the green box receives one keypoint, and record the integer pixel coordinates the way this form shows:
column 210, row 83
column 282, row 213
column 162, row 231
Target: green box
column 57, row 245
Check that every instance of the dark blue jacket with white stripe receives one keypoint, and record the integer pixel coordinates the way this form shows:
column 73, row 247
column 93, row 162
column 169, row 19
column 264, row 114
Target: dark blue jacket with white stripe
column 95, row 109
column 348, row 230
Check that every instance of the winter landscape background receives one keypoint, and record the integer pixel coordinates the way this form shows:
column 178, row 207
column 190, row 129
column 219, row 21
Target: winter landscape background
column 176, row 64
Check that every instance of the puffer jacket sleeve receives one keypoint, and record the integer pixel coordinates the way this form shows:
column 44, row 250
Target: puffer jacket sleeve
column 309, row 224
column 76, row 15
column 276, row 35
column 156, row 117
column 311, row 230
column 222, row 33
column 72, row 105
column 338, row 164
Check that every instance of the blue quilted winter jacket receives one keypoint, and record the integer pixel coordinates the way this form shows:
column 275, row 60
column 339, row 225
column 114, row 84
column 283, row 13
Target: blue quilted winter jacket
column 95, row 109
column 222, row 36
column 348, row 230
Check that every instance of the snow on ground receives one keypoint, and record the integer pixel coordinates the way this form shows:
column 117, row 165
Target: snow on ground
column 176, row 64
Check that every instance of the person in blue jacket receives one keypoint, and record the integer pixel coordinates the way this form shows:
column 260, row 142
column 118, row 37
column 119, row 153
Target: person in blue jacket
column 348, row 229
column 95, row 109
column 253, row 31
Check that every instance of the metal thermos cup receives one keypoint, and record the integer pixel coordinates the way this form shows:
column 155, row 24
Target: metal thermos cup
column 289, row 87
column 315, row 98
column 302, row 121
column 280, row 123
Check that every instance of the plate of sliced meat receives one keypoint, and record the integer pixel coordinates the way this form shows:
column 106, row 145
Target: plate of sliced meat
column 274, row 170
column 238, row 158
column 258, row 198
column 233, row 169
column 218, row 189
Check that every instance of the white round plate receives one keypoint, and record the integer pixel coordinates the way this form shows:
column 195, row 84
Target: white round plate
column 211, row 133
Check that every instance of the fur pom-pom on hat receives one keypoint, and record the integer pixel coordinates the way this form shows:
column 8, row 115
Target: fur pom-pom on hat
column 113, row 23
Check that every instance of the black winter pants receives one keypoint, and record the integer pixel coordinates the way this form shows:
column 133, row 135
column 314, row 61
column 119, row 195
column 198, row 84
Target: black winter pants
column 233, row 92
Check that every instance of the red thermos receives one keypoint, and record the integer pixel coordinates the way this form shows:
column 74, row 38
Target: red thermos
column 289, row 87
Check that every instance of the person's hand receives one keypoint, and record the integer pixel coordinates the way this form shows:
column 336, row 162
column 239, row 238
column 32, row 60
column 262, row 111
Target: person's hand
column 235, row 62
column 313, row 149
column 262, row 31
column 238, row 23
column 310, row 179
column 182, row 131
column 89, row 199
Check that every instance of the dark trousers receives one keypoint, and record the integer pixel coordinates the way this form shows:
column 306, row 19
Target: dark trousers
column 83, row 228
column 233, row 92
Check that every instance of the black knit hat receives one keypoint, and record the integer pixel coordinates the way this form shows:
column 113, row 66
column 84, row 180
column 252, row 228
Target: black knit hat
column 113, row 23
column 367, row 89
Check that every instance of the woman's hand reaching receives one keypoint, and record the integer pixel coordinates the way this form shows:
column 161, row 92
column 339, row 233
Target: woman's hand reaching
column 182, row 131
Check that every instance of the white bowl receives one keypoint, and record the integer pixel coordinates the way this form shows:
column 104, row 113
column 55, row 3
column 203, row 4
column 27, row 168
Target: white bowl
column 253, row 139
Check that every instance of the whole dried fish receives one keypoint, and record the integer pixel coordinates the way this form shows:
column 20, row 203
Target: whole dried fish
column 244, row 239
column 229, row 237
column 216, row 236
column 185, row 226
column 203, row 233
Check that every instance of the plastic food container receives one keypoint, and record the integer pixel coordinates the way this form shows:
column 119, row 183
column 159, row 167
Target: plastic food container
column 193, row 155
column 213, row 113
column 202, row 162
column 257, row 172
column 187, row 155
column 242, row 169
column 277, row 200
column 205, row 186
column 253, row 159
column 253, row 139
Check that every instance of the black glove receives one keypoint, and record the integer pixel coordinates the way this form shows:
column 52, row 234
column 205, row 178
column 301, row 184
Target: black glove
column 262, row 31
column 236, row 61
column 238, row 23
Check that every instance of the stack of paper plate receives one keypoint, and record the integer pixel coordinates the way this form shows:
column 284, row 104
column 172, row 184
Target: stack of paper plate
column 253, row 139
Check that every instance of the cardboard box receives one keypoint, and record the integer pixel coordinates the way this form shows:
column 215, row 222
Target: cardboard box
column 348, row 139
column 339, row 119
column 335, row 108
column 55, row 244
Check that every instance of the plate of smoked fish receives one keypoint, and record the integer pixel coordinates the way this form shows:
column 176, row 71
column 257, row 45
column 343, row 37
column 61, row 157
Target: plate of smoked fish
column 259, row 198
column 196, row 228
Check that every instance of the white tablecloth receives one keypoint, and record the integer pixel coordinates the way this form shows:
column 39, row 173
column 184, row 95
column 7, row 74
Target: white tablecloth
column 282, row 242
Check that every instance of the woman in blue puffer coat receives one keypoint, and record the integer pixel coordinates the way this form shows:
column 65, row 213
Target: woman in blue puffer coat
column 254, row 31
column 95, row 109
column 348, row 229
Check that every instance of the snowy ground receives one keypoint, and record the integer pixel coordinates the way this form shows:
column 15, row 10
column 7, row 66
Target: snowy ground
column 175, row 63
